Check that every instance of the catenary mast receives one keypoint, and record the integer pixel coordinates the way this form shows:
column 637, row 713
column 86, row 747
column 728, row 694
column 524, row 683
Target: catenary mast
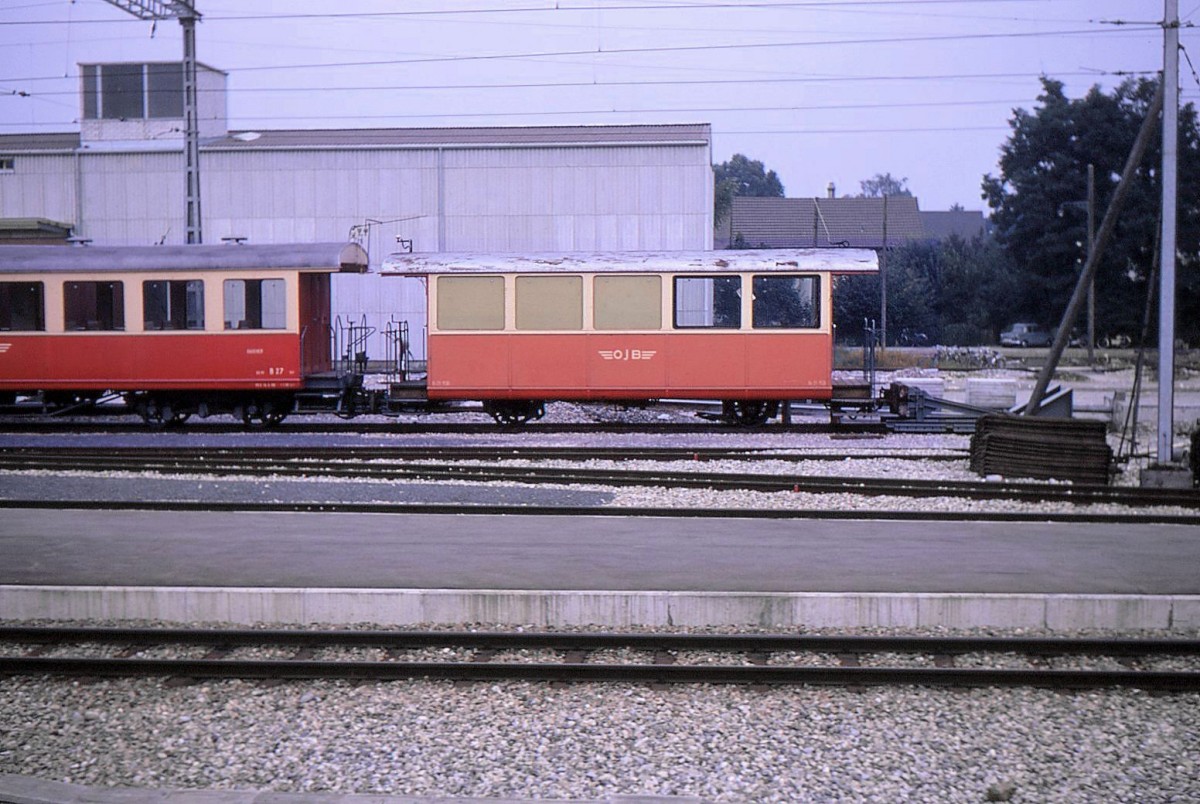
column 1166, row 294
column 187, row 15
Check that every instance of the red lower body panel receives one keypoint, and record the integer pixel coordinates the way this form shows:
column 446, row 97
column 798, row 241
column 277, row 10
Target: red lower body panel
column 120, row 362
column 739, row 365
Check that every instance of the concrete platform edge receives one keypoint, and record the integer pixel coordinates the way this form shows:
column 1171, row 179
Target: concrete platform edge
column 392, row 607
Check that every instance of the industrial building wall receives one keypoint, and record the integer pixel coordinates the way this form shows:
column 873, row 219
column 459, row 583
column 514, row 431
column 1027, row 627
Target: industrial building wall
column 548, row 199
column 133, row 198
column 537, row 198
column 40, row 186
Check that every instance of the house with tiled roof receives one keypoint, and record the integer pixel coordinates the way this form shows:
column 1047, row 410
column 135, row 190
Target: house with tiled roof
column 966, row 224
column 820, row 223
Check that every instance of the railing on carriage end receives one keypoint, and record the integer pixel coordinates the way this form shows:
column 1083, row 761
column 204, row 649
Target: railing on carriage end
column 349, row 348
column 401, row 366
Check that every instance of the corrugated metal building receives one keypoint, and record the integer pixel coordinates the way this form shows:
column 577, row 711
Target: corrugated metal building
column 546, row 189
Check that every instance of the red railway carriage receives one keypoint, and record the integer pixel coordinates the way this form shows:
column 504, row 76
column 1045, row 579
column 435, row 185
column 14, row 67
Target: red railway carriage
column 751, row 328
column 173, row 329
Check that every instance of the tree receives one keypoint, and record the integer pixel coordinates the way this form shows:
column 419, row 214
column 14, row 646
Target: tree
column 883, row 184
column 742, row 176
column 1041, row 222
column 954, row 291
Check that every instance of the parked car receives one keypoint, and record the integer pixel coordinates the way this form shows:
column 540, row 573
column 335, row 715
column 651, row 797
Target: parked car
column 1025, row 334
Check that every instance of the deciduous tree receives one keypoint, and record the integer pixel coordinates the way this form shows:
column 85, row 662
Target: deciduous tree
column 742, row 176
column 1040, row 218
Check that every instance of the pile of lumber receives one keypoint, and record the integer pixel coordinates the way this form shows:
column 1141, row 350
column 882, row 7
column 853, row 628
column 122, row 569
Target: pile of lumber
column 1041, row 447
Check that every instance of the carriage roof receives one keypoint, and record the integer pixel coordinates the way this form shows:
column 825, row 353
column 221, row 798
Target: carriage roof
column 838, row 261
column 347, row 257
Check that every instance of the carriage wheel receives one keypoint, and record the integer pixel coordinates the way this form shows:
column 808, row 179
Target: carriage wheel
column 159, row 414
column 512, row 413
column 748, row 413
column 261, row 413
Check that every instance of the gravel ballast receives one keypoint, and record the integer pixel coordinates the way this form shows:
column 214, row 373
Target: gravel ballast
column 590, row 741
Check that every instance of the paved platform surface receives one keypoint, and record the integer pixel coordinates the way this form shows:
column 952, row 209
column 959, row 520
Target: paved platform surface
column 559, row 570
column 148, row 548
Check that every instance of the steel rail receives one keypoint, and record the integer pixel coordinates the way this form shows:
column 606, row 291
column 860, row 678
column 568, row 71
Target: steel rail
column 573, row 640
column 1163, row 681
column 355, row 427
column 466, row 453
column 296, row 466
column 480, row 668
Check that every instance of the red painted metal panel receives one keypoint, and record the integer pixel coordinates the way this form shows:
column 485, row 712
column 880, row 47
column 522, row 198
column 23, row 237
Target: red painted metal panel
column 541, row 361
column 129, row 362
column 467, row 365
column 799, row 361
column 732, row 365
column 630, row 366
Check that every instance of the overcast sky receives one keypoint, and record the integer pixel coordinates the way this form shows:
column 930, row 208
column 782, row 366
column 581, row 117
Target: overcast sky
column 820, row 92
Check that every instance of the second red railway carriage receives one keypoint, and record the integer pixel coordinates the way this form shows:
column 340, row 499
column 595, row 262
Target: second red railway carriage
column 750, row 328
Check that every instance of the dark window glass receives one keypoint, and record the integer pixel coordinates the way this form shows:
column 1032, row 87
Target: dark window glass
column 255, row 304
column 94, row 305
column 121, row 92
column 22, row 306
column 708, row 302
column 174, row 304
column 787, row 302
column 91, row 92
column 164, row 85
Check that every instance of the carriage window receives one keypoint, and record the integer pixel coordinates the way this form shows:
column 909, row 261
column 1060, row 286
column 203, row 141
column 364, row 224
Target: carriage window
column 708, row 301
column 470, row 302
column 549, row 302
column 94, row 305
column 787, row 302
column 174, row 304
column 22, row 306
column 255, row 304
column 628, row 302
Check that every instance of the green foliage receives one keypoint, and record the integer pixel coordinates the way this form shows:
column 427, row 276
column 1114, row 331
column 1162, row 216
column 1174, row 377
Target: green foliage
column 1042, row 224
column 883, row 184
column 954, row 292
column 742, row 176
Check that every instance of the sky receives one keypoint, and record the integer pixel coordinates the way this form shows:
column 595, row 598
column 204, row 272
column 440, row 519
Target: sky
column 820, row 91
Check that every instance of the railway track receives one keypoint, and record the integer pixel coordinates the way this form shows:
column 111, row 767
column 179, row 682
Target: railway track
column 48, row 424
column 451, row 464
column 1150, row 664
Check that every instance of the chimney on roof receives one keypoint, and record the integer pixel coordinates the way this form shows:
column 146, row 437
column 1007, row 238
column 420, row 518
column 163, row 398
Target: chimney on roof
column 832, row 190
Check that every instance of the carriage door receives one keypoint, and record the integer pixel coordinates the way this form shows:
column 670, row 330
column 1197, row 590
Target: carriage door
column 315, row 330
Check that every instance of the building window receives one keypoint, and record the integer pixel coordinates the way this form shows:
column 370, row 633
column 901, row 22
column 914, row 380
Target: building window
column 22, row 306
column 255, row 304
column 549, row 302
column 8, row 164
column 787, row 302
column 164, row 90
column 470, row 302
column 132, row 91
column 94, row 305
column 708, row 302
column 173, row 304
column 627, row 302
